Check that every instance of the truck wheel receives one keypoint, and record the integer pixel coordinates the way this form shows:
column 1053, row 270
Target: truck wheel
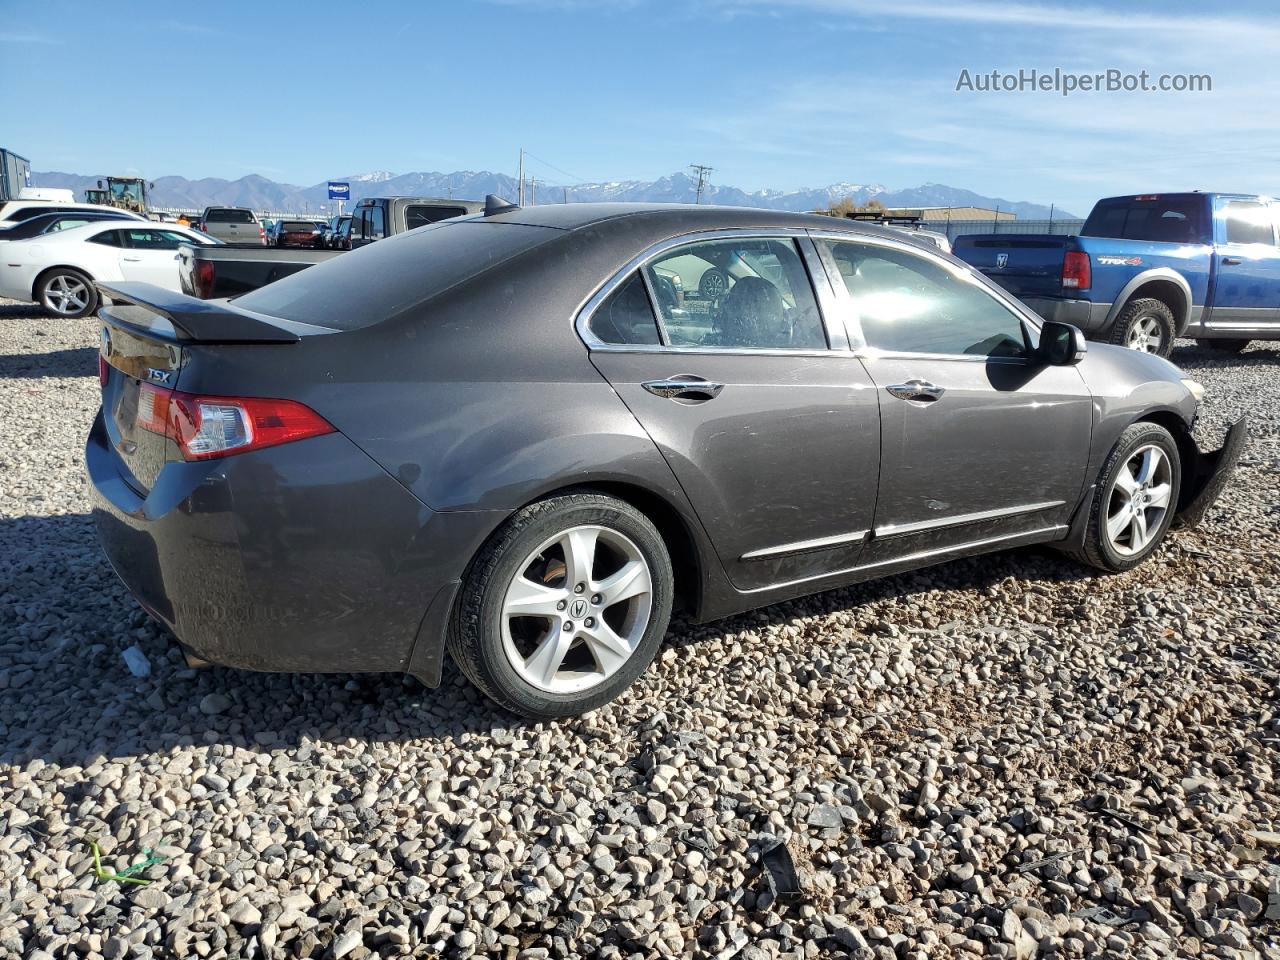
column 67, row 293
column 564, row 607
column 1134, row 502
column 1145, row 325
column 1226, row 346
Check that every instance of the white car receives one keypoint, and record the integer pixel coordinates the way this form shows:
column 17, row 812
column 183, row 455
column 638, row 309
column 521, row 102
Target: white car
column 15, row 211
column 59, row 270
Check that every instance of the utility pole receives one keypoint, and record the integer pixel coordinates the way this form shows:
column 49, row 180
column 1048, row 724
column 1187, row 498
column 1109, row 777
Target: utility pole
column 521, row 203
column 533, row 196
column 566, row 194
column 701, row 170
column 1051, row 218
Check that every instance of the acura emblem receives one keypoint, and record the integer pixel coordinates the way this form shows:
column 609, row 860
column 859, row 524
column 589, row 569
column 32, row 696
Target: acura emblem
column 578, row 608
column 1002, row 260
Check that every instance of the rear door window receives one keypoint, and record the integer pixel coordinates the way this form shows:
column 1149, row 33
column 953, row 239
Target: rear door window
column 751, row 293
column 1248, row 222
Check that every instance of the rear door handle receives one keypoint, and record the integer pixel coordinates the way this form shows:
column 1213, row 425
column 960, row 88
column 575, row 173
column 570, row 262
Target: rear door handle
column 685, row 387
column 1232, row 261
column 917, row 391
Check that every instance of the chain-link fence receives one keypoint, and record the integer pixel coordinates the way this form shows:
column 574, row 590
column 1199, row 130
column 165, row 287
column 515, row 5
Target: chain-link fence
column 960, row 228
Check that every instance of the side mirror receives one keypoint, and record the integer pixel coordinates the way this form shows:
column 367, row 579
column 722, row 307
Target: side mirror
column 1061, row 344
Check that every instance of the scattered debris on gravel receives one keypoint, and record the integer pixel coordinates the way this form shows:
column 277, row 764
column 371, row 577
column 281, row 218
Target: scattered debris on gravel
column 1007, row 756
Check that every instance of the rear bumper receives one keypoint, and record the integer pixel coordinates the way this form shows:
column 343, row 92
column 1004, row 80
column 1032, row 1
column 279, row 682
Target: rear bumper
column 1088, row 316
column 1204, row 481
column 305, row 557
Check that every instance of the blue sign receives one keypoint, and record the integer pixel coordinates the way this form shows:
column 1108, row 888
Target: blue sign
column 339, row 191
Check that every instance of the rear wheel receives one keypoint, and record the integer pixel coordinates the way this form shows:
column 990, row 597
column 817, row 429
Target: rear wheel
column 1145, row 325
column 564, row 607
column 1226, row 346
column 1135, row 499
column 67, row 293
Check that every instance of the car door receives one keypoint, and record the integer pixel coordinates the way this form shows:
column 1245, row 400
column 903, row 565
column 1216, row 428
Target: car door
column 979, row 440
column 768, row 422
column 151, row 256
column 1246, row 269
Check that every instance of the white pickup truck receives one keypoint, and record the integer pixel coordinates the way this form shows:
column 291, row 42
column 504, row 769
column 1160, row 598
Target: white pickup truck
column 233, row 225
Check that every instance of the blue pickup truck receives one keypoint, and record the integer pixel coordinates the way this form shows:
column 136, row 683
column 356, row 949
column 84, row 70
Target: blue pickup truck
column 1148, row 268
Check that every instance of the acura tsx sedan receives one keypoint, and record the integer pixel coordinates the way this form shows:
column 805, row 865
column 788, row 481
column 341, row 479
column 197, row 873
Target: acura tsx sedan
column 523, row 436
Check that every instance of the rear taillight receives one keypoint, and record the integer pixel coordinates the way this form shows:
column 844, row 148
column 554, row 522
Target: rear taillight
column 209, row 427
column 1077, row 274
column 104, row 370
column 202, row 276
column 262, row 235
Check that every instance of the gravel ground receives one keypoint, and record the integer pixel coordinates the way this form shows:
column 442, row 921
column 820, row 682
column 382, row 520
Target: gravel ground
column 1004, row 756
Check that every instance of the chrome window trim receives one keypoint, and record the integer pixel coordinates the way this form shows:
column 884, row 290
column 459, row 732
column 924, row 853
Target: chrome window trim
column 959, row 270
column 804, row 546
column 1039, row 534
column 834, row 333
column 890, row 531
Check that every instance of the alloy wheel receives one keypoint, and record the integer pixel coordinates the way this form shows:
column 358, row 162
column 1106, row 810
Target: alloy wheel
column 1139, row 500
column 66, row 295
column 577, row 609
column 1145, row 335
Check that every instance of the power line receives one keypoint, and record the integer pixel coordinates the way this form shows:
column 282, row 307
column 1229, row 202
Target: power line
column 701, row 170
column 573, row 176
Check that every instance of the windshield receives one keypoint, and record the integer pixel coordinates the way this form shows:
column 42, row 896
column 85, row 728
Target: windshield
column 382, row 280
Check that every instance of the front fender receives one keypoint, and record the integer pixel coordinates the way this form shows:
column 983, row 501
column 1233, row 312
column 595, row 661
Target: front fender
column 1204, row 479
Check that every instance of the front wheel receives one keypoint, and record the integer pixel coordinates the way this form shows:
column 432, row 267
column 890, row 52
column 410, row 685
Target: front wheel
column 564, row 607
column 1135, row 499
column 67, row 293
column 1145, row 325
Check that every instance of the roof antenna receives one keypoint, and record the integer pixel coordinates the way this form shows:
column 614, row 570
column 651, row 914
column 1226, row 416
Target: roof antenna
column 494, row 204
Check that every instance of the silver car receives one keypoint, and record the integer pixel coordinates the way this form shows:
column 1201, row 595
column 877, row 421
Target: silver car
column 233, row 225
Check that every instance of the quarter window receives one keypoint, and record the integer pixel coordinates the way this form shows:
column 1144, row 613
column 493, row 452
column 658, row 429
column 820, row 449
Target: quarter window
column 1248, row 222
column 909, row 304
column 626, row 316
column 108, row 238
column 750, row 293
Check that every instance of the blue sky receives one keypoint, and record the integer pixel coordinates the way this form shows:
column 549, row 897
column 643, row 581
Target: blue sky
column 771, row 93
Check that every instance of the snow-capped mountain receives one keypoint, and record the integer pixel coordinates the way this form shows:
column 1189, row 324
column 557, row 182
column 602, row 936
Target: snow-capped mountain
column 260, row 193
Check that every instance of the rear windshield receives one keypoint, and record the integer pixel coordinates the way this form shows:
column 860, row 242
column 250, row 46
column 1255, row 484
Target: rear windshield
column 297, row 225
column 228, row 216
column 383, row 279
column 1172, row 219
column 418, row 214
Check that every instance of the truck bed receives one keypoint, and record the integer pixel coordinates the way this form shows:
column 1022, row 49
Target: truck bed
column 228, row 270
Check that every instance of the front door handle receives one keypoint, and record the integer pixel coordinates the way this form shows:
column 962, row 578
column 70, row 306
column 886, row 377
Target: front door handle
column 917, row 391
column 684, row 387
column 132, row 259
column 1232, row 261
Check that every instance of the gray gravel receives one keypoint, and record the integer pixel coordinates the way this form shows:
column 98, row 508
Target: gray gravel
column 1001, row 757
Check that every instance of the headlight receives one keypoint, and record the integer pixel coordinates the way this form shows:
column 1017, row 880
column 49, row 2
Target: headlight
column 1196, row 388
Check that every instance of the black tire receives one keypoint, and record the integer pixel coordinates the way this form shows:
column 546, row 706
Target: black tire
column 1226, row 346
column 1145, row 312
column 475, row 640
column 52, row 293
column 1096, row 548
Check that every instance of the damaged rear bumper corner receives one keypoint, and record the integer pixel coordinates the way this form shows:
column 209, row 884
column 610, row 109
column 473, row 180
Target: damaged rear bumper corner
column 1204, row 480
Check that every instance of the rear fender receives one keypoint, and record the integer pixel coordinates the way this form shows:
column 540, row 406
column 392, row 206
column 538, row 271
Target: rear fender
column 1163, row 276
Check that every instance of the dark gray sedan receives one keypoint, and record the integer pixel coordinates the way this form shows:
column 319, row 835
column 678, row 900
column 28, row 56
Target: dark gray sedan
column 524, row 436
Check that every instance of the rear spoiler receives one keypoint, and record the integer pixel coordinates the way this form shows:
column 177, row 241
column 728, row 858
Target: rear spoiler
column 204, row 321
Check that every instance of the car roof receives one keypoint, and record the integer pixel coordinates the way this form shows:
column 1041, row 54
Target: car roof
column 678, row 218
column 102, row 226
column 64, row 206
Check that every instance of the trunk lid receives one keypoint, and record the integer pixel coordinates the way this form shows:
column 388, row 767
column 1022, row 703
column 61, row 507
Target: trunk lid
column 149, row 337
column 139, row 350
column 1025, row 266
